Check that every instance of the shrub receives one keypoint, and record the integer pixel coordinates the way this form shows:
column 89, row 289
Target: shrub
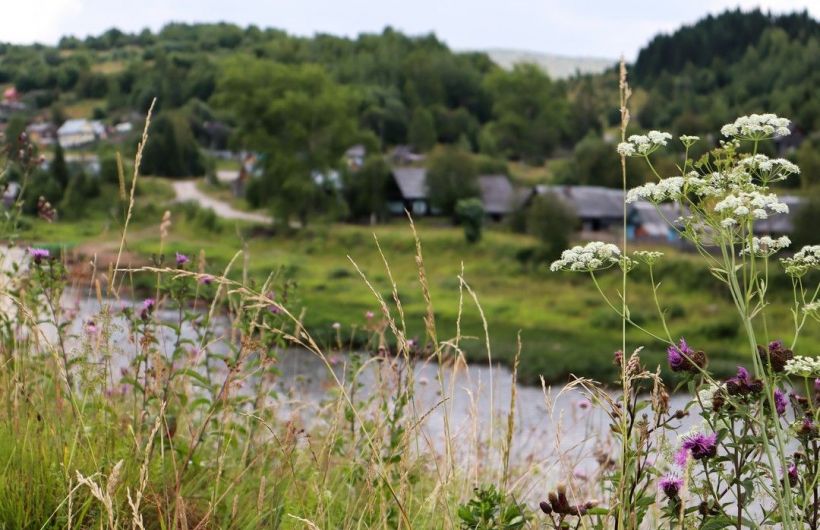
column 470, row 213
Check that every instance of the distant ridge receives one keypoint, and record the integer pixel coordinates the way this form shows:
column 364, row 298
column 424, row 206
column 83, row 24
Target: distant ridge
column 557, row 66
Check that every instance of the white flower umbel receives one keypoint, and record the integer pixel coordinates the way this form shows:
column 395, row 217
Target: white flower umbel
column 687, row 140
column 590, row 257
column 766, row 246
column 803, row 366
column 769, row 169
column 750, row 205
column 643, row 144
column 668, row 189
column 757, row 127
column 647, row 256
column 804, row 260
column 812, row 309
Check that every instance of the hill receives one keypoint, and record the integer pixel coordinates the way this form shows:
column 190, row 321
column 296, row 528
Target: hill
column 557, row 66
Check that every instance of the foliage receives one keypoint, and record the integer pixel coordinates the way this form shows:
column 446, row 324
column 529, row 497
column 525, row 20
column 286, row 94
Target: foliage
column 806, row 220
column 530, row 113
column 489, row 509
column 470, row 213
column 172, row 150
column 451, row 176
column 365, row 188
column 300, row 119
column 422, row 130
column 552, row 222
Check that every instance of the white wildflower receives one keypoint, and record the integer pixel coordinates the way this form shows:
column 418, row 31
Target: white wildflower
column 755, row 205
column 707, row 393
column 757, row 127
column 664, row 190
column 593, row 256
column 803, row 366
column 688, row 140
column 647, row 256
column 812, row 308
column 626, row 149
column 643, row 144
column 728, row 222
column 804, row 260
column 766, row 246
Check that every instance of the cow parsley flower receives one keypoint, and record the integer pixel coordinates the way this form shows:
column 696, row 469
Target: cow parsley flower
column 766, row 246
column 626, row 149
column 591, row 257
column 812, row 308
column 688, row 140
column 750, row 205
column 647, row 256
column 643, row 144
column 757, row 127
column 770, row 169
column 804, row 260
column 803, row 366
column 668, row 189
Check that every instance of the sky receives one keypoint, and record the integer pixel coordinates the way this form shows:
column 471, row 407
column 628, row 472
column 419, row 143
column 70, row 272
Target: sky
column 588, row 28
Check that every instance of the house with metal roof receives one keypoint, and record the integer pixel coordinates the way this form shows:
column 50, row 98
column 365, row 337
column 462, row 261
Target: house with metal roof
column 408, row 191
column 598, row 208
column 500, row 197
column 80, row 132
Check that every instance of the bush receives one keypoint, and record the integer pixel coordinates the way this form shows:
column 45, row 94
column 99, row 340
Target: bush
column 551, row 221
column 470, row 214
column 451, row 176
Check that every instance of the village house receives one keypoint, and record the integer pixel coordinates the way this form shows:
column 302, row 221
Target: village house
column 80, row 133
column 500, row 197
column 648, row 222
column 408, row 192
column 597, row 208
column 42, row 133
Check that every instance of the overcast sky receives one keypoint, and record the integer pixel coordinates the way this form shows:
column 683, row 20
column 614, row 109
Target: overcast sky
column 597, row 28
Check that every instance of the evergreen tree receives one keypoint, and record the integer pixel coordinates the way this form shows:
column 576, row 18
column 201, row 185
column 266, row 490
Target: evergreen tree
column 59, row 168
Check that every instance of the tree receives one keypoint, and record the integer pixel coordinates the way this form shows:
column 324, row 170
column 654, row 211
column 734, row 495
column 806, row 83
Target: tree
column 365, row 189
column 451, row 176
column 171, row 150
column 299, row 119
column 59, row 168
column 551, row 221
column 808, row 158
column 806, row 221
column 470, row 214
column 529, row 112
column 422, row 132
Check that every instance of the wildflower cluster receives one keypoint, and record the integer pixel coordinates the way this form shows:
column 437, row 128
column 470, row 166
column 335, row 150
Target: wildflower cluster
column 760, row 426
column 591, row 257
column 766, row 246
column 757, row 127
column 643, row 144
column 804, row 260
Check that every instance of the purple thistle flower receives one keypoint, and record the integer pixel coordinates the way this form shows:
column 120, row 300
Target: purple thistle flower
column 701, row 446
column 39, row 254
column 206, row 280
column 670, row 484
column 182, row 259
column 682, row 358
column 793, row 475
column 780, row 401
column 147, row 307
column 776, row 345
column 817, row 385
column 743, row 375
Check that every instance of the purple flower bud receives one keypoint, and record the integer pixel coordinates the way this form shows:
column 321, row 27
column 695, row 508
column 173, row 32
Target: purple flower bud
column 671, row 484
column 182, row 259
column 39, row 254
column 206, row 279
column 792, row 474
column 780, row 401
